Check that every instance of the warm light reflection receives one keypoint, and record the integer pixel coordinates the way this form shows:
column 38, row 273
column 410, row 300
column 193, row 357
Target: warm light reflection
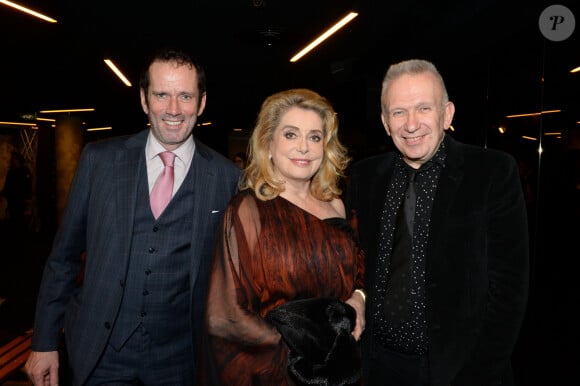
column 66, row 111
column 501, row 130
column 28, row 11
column 100, row 128
column 533, row 114
column 577, row 69
column 118, row 72
column 529, row 138
column 45, row 119
column 18, row 124
column 324, row 36
column 553, row 134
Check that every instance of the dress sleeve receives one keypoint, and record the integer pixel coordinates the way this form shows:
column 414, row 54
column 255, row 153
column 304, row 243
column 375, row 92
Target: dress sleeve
column 240, row 346
column 233, row 308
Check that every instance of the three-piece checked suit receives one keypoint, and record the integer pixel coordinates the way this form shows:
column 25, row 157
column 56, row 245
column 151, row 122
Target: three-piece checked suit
column 138, row 270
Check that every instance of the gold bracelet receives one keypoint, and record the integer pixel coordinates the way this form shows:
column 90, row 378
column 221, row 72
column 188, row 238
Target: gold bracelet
column 362, row 293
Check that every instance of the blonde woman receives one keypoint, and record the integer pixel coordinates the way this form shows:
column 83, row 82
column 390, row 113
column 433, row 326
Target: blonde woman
column 287, row 265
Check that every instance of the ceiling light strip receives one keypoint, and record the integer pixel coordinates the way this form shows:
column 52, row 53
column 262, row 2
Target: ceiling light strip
column 533, row 114
column 28, row 11
column 117, row 72
column 324, row 36
column 66, row 111
column 18, row 124
column 100, row 128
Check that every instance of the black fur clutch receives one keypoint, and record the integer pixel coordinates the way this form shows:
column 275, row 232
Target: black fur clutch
column 318, row 333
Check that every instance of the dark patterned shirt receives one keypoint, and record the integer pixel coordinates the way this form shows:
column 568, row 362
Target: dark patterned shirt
column 409, row 336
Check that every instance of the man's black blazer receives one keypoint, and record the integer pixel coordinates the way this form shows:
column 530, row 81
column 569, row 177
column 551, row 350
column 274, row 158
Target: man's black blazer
column 477, row 259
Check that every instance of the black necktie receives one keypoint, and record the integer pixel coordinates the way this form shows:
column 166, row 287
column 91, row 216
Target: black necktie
column 397, row 300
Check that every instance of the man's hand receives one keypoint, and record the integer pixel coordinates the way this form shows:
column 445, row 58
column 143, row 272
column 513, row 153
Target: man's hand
column 42, row 368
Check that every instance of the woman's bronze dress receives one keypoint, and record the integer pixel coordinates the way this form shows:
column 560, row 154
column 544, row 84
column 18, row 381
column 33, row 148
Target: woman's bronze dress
column 269, row 253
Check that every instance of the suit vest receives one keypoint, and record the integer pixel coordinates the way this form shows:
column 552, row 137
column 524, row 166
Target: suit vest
column 157, row 286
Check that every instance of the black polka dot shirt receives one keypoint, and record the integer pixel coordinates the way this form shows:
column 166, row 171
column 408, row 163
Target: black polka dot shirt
column 409, row 336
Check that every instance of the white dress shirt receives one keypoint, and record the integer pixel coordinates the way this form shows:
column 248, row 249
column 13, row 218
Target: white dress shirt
column 183, row 158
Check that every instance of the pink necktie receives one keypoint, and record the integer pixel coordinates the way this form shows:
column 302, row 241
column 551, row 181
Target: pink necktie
column 163, row 188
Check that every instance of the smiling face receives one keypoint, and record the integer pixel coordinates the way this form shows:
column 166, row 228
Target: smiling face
column 297, row 145
column 415, row 116
column 172, row 103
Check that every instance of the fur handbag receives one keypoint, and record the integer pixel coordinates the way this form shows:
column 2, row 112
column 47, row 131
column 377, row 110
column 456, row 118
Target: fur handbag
column 318, row 332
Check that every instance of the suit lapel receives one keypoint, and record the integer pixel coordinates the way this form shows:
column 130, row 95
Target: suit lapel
column 130, row 164
column 378, row 191
column 204, row 186
column 449, row 181
column 377, row 196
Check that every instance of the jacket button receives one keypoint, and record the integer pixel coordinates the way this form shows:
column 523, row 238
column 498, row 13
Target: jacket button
column 151, row 250
column 107, row 325
column 155, row 228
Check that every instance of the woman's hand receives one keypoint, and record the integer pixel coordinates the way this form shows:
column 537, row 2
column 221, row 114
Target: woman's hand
column 357, row 301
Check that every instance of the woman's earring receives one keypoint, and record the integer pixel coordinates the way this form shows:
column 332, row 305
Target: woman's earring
column 270, row 157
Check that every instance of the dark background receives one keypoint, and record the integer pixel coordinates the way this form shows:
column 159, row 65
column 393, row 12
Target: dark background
column 491, row 53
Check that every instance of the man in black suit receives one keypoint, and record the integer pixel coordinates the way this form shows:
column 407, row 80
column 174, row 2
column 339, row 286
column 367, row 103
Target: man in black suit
column 447, row 275
column 136, row 316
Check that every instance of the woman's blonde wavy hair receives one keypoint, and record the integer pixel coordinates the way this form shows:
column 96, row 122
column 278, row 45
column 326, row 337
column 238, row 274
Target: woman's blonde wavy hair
column 259, row 174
